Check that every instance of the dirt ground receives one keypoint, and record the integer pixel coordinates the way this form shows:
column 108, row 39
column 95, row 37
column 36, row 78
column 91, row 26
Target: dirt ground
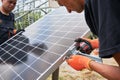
column 67, row 73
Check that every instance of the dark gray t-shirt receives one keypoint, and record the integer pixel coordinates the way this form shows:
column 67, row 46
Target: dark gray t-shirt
column 6, row 24
column 103, row 18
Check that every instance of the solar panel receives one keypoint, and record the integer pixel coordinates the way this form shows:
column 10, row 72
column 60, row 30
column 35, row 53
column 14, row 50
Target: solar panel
column 39, row 51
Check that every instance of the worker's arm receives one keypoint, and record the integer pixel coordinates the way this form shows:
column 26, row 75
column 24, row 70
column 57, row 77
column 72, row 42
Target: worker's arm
column 117, row 58
column 79, row 62
column 107, row 71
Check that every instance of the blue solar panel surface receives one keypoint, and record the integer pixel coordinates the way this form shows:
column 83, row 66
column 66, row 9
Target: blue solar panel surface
column 38, row 51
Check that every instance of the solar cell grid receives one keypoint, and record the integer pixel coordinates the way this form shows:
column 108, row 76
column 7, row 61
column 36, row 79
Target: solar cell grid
column 38, row 51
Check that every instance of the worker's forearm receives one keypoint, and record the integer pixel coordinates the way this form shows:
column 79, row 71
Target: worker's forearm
column 109, row 72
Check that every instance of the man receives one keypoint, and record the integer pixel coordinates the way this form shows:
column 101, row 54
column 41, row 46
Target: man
column 7, row 20
column 102, row 17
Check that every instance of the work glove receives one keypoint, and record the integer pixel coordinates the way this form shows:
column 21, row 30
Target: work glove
column 14, row 31
column 79, row 62
column 85, row 45
column 17, row 31
column 95, row 52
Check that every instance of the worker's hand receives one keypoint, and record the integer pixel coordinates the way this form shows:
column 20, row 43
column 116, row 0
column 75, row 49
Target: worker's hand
column 79, row 62
column 85, row 45
column 15, row 31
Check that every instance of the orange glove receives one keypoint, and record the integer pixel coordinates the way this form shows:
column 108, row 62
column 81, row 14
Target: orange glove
column 79, row 62
column 94, row 42
column 95, row 51
column 14, row 31
column 85, row 45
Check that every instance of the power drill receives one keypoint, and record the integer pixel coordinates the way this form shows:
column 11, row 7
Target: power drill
column 83, row 46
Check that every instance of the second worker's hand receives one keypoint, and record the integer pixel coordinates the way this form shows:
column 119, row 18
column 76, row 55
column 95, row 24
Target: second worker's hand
column 20, row 30
column 15, row 31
